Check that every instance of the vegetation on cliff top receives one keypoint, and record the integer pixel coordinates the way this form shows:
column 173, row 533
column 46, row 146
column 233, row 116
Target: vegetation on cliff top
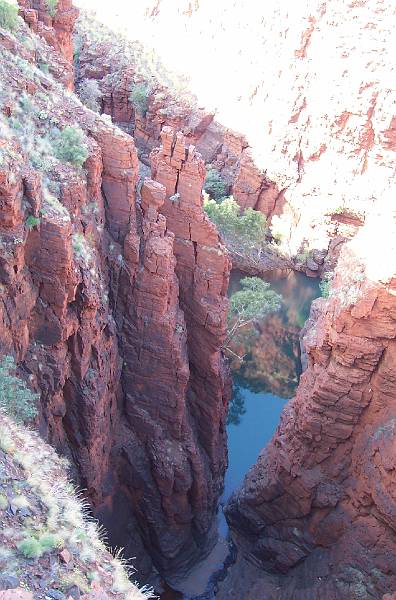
column 150, row 74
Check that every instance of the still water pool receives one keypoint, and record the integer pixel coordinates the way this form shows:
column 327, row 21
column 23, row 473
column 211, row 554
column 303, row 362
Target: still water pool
column 268, row 375
column 264, row 380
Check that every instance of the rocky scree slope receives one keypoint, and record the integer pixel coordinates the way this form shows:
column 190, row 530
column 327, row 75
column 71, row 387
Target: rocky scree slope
column 49, row 546
column 91, row 309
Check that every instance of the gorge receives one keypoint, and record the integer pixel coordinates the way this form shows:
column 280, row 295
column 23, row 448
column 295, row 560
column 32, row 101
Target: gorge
column 115, row 283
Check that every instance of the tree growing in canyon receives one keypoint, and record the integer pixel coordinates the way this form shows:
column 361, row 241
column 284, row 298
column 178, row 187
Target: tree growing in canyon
column 244, row 233
column 254, row 301
column 139, row 98
column 215, row 185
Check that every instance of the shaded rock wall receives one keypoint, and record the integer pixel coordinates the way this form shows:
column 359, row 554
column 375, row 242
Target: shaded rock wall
column 90, row 307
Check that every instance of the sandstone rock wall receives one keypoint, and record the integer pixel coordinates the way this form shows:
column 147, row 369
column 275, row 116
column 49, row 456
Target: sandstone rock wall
column 319, row 505
column 90, row 307
column 303, row 143
column 202, row 268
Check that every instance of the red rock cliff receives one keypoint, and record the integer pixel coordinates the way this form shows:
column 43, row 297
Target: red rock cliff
column 320, row 504
column 56, row 27
column 202, row 268
column 90, row 307
column 310, row 147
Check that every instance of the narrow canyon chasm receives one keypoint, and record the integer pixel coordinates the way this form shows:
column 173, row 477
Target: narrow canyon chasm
column 115, row 285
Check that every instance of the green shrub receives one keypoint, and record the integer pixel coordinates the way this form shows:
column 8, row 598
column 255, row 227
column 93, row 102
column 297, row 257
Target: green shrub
column 32, row 222
column 8, row 15
column 16, row 400
column 70, row 146
column 325, row 285
column 243, row 232
column 139, row 98
column 25, row 102
column 52, row 6
column 15, row 123
column 43, row 67
column 30, row 548
column 215, row 185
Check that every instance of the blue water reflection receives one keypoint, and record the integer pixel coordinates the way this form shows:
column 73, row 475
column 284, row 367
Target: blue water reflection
column 267, row 377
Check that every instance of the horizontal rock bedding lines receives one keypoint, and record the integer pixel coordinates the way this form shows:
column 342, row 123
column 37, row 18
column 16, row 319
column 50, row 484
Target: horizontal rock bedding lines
column 92, row 311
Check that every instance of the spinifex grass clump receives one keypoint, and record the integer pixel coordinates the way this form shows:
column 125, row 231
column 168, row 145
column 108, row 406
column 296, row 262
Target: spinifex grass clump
column 49, row 520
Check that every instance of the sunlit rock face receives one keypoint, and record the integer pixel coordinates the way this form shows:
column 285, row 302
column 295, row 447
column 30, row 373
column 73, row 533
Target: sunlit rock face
column 322, row 493
column 307, row 88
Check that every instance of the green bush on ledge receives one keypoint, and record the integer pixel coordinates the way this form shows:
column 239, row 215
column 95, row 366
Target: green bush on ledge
column 8, row 15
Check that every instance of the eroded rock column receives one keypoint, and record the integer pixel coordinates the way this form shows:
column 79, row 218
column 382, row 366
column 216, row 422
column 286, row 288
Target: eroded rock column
column 203, row 269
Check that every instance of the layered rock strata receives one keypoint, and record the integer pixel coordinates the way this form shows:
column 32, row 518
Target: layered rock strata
column 313, row 167
column 90, row 308
column 319, row 505
column 56, row 27
column 202, row 268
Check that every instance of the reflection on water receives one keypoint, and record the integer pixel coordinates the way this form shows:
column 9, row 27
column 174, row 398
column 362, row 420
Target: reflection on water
column 271, row 349
column 268, row 375
column 237, row 406
column 263, row 382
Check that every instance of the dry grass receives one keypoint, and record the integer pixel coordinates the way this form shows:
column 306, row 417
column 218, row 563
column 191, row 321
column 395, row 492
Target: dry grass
column 42, row 515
